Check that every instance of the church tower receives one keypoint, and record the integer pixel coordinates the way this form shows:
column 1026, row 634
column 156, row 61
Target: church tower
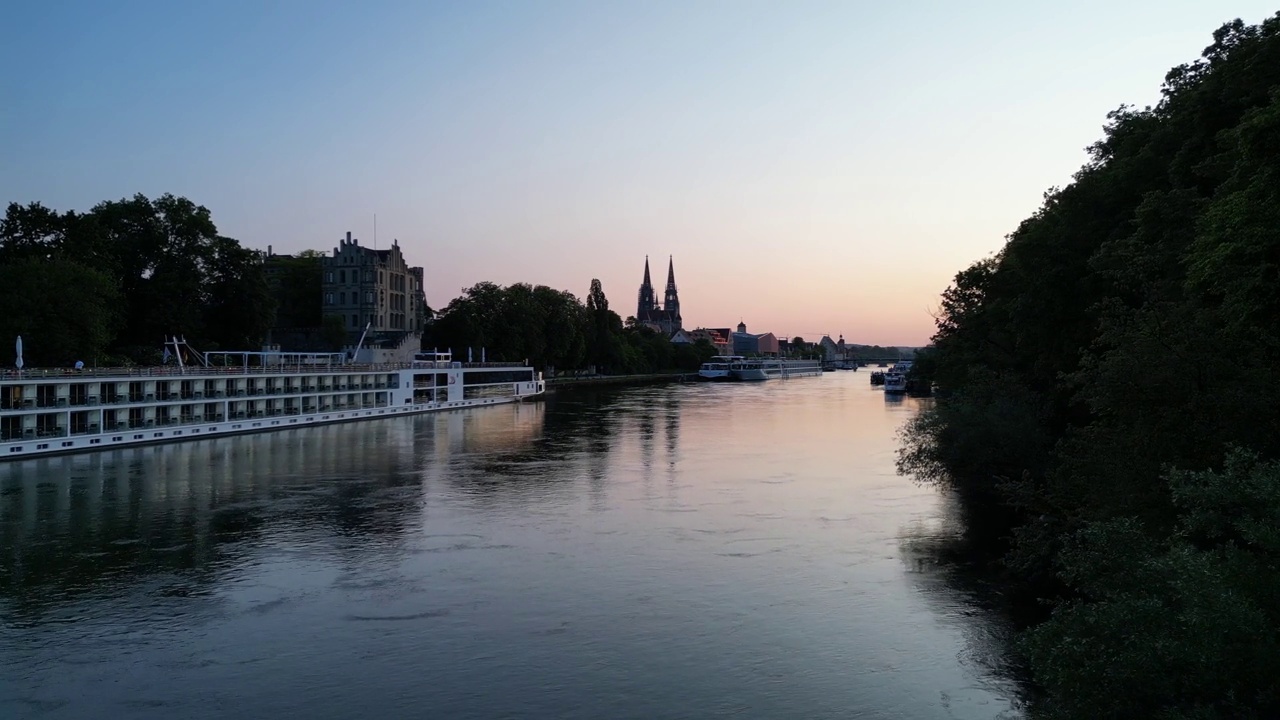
column 647, row 303
column 672, row 300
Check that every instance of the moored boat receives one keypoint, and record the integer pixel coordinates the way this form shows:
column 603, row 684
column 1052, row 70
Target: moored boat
column 753, row 369
column 895, row 383
column 44, row 412
column 718, row 367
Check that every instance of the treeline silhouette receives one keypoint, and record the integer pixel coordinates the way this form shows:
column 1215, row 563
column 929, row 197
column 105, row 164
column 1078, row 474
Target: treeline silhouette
column 554, row 329
column 107, row 286
column 1111, row 403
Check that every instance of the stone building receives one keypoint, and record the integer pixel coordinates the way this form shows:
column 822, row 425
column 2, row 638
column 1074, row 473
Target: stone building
column 376, row 288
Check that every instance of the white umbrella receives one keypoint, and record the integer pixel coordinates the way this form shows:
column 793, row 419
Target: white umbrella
column 19, row 362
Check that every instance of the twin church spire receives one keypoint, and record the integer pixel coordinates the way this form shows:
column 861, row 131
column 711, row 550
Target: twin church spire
column 667, row 315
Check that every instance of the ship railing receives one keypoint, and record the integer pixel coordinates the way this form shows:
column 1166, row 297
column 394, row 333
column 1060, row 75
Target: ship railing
column 236, row 370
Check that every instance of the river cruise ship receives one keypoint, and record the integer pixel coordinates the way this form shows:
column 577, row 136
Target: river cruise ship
column 774, row 368
column 57, row 411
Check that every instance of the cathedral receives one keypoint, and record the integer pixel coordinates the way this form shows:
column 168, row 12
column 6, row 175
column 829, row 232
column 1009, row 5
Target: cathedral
column 664, row 317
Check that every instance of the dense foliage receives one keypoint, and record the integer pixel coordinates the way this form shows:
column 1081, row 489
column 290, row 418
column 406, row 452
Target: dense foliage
column 111, row 284
column 555, row 331
column 1111, row 382
column 299, row 288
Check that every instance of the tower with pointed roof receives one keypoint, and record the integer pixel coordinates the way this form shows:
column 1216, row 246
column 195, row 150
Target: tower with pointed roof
column 664, row 317
column 647, row 303
column 671, row 302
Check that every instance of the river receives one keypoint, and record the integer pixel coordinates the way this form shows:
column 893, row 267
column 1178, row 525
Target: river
column 682, row 551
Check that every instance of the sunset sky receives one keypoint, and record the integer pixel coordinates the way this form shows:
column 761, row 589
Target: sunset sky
column 814, row 167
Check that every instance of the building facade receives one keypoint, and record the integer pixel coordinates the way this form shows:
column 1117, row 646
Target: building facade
column 718, row 337
column 833, row 351
column 663, row 317
column 373, row 288
column 745, row 343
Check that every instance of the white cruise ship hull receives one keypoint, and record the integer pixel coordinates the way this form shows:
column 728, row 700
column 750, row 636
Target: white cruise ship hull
column 49, row 412
column 776, row 370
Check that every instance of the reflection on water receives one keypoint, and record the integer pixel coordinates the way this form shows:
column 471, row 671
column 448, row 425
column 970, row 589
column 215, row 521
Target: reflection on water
column 684, row 551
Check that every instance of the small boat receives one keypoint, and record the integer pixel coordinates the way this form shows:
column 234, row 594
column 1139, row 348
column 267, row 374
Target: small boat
column 895, row 383
column 877, row 377
column 718, row 367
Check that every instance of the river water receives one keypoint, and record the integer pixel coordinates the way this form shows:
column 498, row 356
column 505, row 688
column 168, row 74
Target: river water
column 687, row 551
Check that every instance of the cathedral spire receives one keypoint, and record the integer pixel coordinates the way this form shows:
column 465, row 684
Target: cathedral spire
column 672, row 300
column 646, row 303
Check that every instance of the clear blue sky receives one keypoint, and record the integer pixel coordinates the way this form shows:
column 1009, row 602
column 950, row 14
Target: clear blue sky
column 813, row 166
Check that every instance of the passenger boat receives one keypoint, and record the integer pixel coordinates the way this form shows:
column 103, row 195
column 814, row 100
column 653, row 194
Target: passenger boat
column 774, row 368
column 44, row 412
column 895, row 383
column 717, row 368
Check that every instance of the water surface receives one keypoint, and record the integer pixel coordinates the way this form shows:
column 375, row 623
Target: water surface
column 689, row 551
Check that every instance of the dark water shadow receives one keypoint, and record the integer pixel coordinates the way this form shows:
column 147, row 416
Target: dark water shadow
column 959, row 575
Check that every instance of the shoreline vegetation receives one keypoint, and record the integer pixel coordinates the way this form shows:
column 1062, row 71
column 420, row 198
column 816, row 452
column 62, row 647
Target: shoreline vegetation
column 1109, row 407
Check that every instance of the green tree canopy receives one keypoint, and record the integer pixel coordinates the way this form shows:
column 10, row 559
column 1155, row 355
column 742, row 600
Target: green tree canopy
column 160, row 269
column 1130, row 326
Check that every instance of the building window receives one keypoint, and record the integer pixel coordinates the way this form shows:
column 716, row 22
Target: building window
column 328, row 277
column 368, row 296
column 329, row 298
column 342, row 276
column 368, row 276
column 355, row 321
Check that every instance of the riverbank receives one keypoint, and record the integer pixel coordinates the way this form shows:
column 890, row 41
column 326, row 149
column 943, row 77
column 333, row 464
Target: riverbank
column 639, row 379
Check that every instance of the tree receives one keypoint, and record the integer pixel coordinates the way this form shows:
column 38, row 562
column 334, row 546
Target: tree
column 688, row 357
column 298, row 289
column 30, row 231
column 64, row 311
column 514, row 323
column 240, row 308
column 604, row 346
column 1085, row 358
column 167, row 272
